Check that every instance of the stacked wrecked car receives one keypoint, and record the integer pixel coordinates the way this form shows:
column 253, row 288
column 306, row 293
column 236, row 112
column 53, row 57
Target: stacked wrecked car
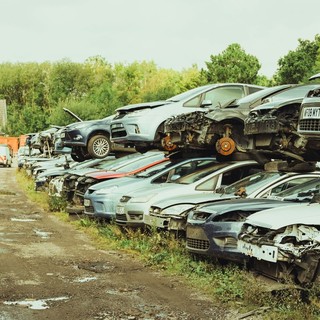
column 233, row 171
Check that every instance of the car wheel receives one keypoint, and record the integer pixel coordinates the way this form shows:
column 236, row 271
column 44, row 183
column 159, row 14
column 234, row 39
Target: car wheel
column 78, row 155
column 143, row 149
column 99, row 146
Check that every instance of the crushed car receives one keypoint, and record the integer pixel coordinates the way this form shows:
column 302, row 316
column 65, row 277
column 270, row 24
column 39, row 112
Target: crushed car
column 141, row 125
column 213, row 229
column 284, row 243
column 218, row 129
column 309, row 121
column 172, row 213
column 272, row 128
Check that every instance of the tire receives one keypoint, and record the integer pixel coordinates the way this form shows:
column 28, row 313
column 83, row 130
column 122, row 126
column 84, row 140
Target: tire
column 143, row 149
column 78, row 155
column 99, row 146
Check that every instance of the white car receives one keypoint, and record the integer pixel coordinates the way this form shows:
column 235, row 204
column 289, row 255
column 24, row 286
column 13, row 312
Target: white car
column 141, row 125
column 5, row 155
column 284, row 242
column 172, row 213
column 133, row 208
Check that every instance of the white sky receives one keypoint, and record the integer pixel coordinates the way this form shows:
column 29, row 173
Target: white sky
column 174, row 34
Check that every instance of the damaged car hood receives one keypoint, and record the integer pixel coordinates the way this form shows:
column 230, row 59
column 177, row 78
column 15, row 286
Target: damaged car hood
column 144, row 105
column 289, row 215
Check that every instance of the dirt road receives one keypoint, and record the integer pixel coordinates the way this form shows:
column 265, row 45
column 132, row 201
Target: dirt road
column 50, row 270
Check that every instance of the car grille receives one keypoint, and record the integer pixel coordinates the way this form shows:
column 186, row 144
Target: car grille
column 121, row 217
column 89, row 209
column 197, row 244
column 310, row 125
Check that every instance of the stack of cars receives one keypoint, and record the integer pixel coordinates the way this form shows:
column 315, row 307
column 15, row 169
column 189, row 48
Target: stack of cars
column 234, row 172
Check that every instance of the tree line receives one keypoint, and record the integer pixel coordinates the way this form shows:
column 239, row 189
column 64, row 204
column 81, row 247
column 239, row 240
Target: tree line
column 36, row 93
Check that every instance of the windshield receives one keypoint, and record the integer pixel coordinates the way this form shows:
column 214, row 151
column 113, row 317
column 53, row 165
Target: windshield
column 293, row 93
column 259, row 95
column 302, row 193
column 200, row 173
column 188, row 94
column 252, row 183
column 149, row 172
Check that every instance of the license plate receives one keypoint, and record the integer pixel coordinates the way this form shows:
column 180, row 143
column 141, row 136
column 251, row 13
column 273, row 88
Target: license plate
column 311, row 113
column 268, row 253
column 87, row 202
column 119, row 210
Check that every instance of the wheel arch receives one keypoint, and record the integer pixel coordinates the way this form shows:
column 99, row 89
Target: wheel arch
column 96, row 132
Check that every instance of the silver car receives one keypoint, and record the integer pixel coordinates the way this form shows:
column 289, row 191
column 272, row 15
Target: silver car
column 100, row 199
column 172, row 213
column 133, row 208
column 141, row 125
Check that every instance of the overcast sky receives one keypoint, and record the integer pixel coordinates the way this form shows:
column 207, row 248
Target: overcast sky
column 174, row 34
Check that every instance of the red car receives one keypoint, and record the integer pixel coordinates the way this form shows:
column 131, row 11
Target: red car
column 125, row 168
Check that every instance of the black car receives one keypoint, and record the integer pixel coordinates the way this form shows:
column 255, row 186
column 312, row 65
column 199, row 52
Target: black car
column 272, row 128
column 88, row 139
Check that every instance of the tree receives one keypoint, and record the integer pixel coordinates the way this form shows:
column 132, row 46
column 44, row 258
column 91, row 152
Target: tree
column 233, row 65
column 298, row 65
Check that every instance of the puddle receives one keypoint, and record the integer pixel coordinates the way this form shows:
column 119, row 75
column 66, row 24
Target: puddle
column 42, row 234
column 22, row 220
column 40, row 304
column 86, row 279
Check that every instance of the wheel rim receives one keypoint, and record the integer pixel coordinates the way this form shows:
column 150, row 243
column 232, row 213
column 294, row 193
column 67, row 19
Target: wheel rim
column 101, row 147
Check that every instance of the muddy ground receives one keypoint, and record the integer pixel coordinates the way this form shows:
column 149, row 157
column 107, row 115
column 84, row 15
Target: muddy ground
column 50, row 270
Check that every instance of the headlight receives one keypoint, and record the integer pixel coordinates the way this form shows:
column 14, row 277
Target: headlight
column 143, row 199
column 177, row 210
column 200, row 215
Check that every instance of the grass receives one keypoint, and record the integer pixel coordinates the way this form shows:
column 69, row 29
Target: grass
column 227, row 285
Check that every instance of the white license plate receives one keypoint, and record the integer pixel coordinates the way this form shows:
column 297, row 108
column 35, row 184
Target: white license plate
column 119, row 210
column 87, row 202
column 311, row 113
column 268, row 253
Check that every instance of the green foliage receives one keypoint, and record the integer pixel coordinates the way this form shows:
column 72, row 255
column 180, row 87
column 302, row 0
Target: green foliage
column 299, row 64
column 36, row 93
column 57, row 204
column 233, row 65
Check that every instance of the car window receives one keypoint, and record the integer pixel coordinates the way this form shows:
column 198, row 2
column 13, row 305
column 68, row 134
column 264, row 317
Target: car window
column 228, row 177
column 185, row 95
column 201, row 173
column 217, row 96
column 293, row 93
column 286, row 185
column 252, row 182
column 183, row 170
